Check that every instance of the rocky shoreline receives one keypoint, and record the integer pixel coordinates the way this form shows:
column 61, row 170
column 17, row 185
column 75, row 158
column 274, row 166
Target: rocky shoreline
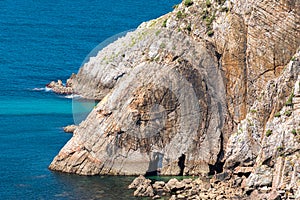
column 221, row 186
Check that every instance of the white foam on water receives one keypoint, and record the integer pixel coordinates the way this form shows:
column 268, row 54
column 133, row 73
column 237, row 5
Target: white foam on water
column 46, row 89
column 38, row 89
column 73, row 96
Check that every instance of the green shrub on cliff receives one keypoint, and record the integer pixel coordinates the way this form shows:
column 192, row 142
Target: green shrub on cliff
column 164, row 24
column 280, row 148
column 189, row 28
column 277, row 114
column 204, row 14
column 208, row 3
column 209, row 20
column 188, row 3
column 290, row 100
column 224, row 9
column 288, row 113
column 210, row 33
column 179, row 15
column 269, row 132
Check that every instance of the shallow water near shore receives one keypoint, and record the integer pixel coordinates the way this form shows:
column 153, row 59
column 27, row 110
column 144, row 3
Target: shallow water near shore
column 41, row 41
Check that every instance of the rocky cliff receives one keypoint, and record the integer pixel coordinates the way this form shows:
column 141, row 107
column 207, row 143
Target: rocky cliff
column 205, row 88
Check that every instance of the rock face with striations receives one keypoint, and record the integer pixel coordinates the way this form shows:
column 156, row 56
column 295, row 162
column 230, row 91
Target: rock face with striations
column 191, row 91
column 160, row 111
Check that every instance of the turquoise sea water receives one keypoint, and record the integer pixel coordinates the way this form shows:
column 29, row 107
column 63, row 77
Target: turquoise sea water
column 42, row 41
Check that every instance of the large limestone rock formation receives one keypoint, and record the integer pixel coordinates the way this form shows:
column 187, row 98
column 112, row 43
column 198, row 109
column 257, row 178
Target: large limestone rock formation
column 186, row 93
column 161, row 110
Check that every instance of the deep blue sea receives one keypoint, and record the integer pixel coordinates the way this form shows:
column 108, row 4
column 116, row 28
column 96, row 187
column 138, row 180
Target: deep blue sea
column 42, row 41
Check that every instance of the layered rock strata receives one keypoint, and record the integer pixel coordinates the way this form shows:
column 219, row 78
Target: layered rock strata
column 196, row 91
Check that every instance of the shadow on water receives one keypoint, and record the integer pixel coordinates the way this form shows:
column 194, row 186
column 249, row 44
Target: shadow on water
column 93, row 187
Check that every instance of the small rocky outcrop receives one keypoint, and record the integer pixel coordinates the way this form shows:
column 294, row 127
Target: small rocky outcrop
column 70, row 128
column 142, row 186
column 59, row 88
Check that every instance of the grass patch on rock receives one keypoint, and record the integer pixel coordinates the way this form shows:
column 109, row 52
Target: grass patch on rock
column 179, row 14
column 288, row 113
column 188, row 3
column 289, row 102
column 269, row 132
column 277, row 114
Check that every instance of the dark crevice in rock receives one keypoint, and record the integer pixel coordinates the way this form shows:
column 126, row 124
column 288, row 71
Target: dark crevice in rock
column 249, row 191
column 218, row 166
column 119, row 76
column 219, row 57
column 266, row 71
column 249, row 161
column 269, row 162
column 236, row 164
column 246, row 174
column 175, row 58
column 181, row 164
column 86, row 149
column 291, row 152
